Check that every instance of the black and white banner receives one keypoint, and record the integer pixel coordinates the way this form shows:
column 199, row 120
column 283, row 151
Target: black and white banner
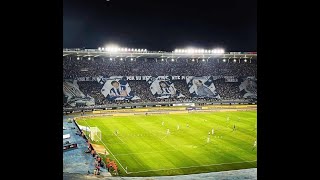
column 73, row 95
column 144, row 78
column 202, row 87
column 162, row 87
column 230, row 79
column 248, row 87
column 116, row 88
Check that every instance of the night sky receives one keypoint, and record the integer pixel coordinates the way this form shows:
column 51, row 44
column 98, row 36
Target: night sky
column 161, row 25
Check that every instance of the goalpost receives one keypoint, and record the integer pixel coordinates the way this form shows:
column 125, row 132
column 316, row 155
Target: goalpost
column 95, row 134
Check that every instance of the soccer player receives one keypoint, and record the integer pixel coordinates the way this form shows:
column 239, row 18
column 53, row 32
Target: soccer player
column 162, row 123
column 117, row 132
column 234, row 127
column 212, row 131
column 208, row 139
column 209, row 133
column 228, row 118
column 254, row 145
column 178, row 127
column 168, row 131
column 187, row 125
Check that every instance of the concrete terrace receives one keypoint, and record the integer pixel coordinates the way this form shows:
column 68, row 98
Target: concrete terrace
column 243, row 174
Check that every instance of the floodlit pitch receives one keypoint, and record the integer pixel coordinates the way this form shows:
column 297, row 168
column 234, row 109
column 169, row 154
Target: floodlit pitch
column 144, row 146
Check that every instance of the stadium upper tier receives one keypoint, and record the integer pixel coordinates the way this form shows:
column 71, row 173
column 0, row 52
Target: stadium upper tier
column 92, row 63
column 224, row 76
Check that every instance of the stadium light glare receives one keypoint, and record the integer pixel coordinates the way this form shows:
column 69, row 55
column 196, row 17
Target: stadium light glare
column 202, row 50
column 99, row 48
column 245, row 60
column 89, row 58
column 135, row 50
column 162, row 59
column 193, row 60
column 125, row 49
column 112, row 47
column 172, row 59
column 102, row 49
column 78, row 58
column 131, row 59
column 205, row 51
column 234, row 60
column 224, row 60
column 110, row 59
column 121, row 59
column 145, row 50
column 203, row 60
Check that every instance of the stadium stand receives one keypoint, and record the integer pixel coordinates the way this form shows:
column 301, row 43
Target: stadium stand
column 231, row 80
column 73, row 68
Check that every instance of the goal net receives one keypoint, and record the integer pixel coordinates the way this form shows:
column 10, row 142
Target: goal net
column 95, row 134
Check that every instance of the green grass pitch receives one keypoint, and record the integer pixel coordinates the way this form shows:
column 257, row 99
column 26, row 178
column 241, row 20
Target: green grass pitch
column 144, row 147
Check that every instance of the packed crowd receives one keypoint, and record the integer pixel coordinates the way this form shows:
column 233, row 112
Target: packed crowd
column 226, row 90
column 73, row 68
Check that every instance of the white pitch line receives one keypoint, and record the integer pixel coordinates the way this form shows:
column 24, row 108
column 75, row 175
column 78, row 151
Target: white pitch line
column 118, row 138
column 110, row 152
column 190, row 167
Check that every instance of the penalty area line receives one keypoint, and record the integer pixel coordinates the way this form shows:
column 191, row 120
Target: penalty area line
column 110, row 152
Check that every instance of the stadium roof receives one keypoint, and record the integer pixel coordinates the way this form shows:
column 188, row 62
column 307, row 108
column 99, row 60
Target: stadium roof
column 155, row 54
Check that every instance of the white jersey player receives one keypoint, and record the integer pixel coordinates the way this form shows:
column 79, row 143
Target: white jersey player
column 168, row 131
column 162, row 123
column 178, row 127
column 212, row 131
